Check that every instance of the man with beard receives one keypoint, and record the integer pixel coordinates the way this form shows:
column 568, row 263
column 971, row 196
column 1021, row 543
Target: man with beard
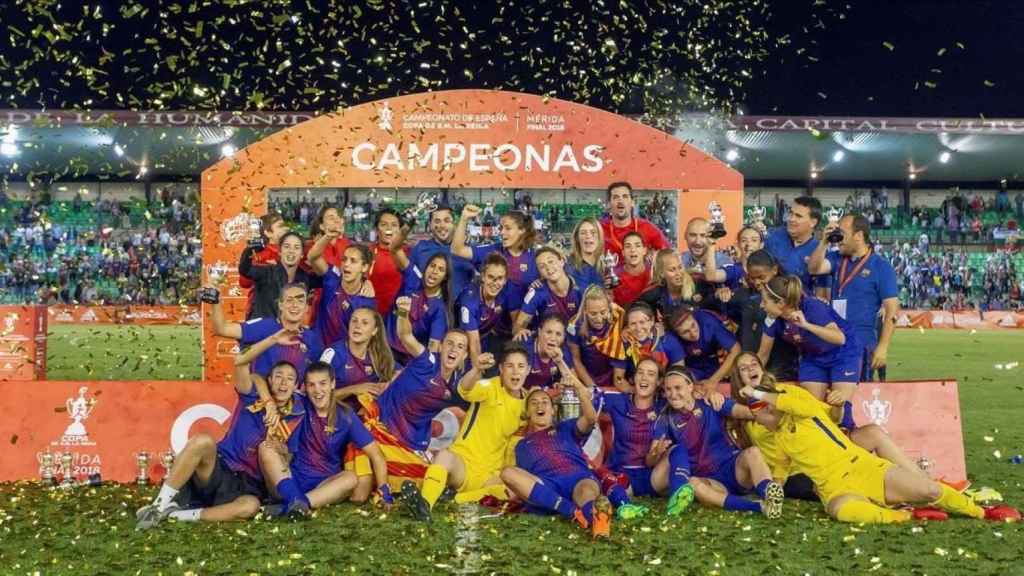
column 442, row 227
column 621, row 222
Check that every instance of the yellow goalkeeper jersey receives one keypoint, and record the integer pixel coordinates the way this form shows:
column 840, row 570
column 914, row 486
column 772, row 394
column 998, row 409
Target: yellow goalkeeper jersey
column 493, row 417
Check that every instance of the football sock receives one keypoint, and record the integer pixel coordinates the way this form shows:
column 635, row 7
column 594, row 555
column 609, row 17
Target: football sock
column 496, row 490
column 547, row 498
column 847, row 419
column 740, row 503
column 588, row 511
column 864, row 512
column 191, row 515
column 618, row 496
column 289, row 491
column 761, row 487
column 433, row 483
column 953, row 501
column 165, row 496
column 679, row 468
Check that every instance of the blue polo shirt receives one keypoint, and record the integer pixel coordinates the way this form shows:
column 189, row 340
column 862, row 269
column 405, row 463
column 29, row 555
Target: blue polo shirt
column 792, row 259
column 584, row 276
column 733, row 272
column 862, row 297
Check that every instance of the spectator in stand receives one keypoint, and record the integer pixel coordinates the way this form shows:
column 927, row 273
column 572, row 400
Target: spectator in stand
column 621, row 221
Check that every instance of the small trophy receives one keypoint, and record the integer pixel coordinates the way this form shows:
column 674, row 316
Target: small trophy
column 834, row 214
column 926, row 465
column 46, row 474
column 167, row 460
column 569, row 403
column 611, row 260
column 142, row 461
column 717, row 221
column 757, row 214
column 66, row 461
column 255, row 233
column 425, row 202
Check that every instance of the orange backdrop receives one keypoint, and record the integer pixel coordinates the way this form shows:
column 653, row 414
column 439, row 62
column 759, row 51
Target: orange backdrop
column 453, row 139
column 103, row 424
column 23, row 342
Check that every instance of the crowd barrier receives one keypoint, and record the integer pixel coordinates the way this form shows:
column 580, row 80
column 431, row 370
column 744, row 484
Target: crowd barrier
column 969, row 319
column 137, row 315
column 106, row 425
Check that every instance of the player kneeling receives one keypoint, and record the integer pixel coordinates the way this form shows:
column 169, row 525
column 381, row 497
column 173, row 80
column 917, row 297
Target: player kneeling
column 472, row 466
column 692, row 431
column 551, row 472
column 315, row 478
column 222, row 481
column 854, row 484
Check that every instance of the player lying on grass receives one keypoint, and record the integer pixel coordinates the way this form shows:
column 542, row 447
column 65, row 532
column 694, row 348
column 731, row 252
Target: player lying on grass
column 294, row 310
column 854, row 484
column 307, row 472
column 552, row 473
column 692, row 449
column 219, row 481
column 399, row 419
column 472, row 465
column 633, row 416
column 748, row 370
column 830, row 355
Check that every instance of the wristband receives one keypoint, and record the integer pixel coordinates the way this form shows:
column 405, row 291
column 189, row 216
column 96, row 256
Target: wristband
column 758, row 394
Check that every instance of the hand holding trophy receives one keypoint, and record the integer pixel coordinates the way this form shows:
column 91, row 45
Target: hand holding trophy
column 832, row 232
column 611, row 260
column 717, row 221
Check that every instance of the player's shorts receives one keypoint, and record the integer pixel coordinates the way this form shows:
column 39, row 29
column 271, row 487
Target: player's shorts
column 477, row 473
column 224, row 486
column 863, row 475
column 726, row 476
column 845, row 368
column 307, row 483
column 564, row 485
column 639, row 481
column 403, row 463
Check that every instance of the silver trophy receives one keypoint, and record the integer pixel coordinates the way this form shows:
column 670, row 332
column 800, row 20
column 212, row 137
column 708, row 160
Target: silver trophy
column 834, row 214
column 142, row 462
column 925, row 464
column 717, row 221
column 756, row 216
column 46, row 472
column 67, row 459
column 256, row 240
column 611, row 260
column 167, row 460
column 569, row 403
column 426, row 202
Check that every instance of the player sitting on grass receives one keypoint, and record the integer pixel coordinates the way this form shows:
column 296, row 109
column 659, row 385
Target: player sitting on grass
column 749, row 371
column 551, row 472
column 689, row 431
column 400, row 418
column 300, row 351
column 314, row 477
column 633, row 416
column 854, row 484
column 472, row 465
column 220, row 481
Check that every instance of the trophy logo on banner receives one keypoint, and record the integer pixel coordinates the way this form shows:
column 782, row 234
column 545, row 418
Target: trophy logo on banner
column 79, row 409
column 878, row 410
column 384, row 117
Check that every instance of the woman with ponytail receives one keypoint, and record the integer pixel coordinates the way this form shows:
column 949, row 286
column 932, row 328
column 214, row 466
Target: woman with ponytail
column 829, row 353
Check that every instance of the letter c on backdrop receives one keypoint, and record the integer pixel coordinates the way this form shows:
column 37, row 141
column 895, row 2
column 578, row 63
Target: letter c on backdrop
column 184, row 422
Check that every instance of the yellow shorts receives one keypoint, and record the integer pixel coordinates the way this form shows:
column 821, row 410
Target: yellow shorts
column 864, row 475
column 477, row 474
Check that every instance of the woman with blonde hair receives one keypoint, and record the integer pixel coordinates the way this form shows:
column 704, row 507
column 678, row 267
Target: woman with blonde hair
column 672, row 286
column 585, row 263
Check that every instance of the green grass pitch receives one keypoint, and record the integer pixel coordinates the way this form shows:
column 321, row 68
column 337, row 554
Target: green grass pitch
column 91, row 531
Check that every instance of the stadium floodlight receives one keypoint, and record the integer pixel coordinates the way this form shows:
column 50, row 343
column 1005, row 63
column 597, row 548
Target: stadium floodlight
column 838, row 156
column 912, row 176
column 732, row 155
column 228, row 150
column 9, row 149
column 143, row 169
column 814, row 174
column 945, row 157
column 118, row 151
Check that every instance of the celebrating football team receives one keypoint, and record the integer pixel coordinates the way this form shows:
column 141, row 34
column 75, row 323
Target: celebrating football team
column 621, row 368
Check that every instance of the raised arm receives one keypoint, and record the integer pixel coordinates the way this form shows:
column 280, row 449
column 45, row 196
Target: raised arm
column 712, row 273
column 459, row 247
column 588, row 415
column 829, row 333
column 469, row 379
column 283, row 337
column 397, row 247
column 405, row 335
column 817, row 264
column 222, row 327
column 315, row 257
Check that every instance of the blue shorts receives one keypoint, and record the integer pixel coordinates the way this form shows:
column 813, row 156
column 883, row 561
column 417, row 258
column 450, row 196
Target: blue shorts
column 726, row 476
column 845, row 368
column 639, row 481
column 564, row 485
column 307, row 483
